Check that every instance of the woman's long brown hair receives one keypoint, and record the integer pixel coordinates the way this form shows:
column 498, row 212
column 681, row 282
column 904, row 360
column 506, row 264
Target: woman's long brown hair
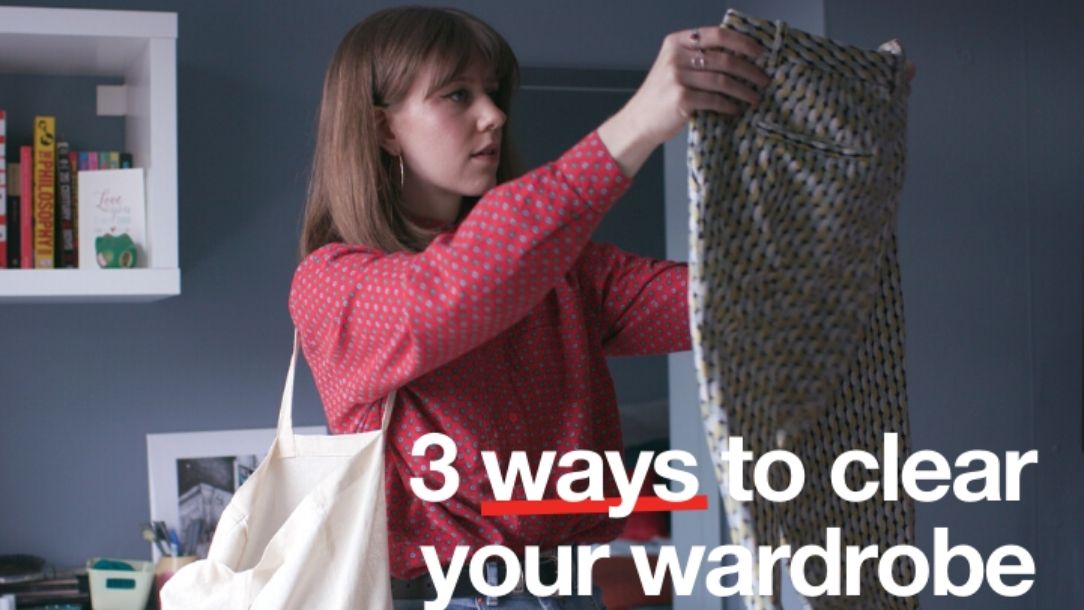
column 353, row 192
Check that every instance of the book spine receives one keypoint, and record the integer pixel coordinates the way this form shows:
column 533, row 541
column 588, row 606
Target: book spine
column 26, row 207
column 3, row 190
column 74, row 161
column 64, row 185
column 14, row 217
column 92, row 160
column 44, row 192
column 114, row 159
column 14, row 171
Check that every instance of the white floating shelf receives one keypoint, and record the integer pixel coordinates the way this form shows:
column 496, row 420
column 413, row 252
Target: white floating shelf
column 88, row 285
column 140, row 48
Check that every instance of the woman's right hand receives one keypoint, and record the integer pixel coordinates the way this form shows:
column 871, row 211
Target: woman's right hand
column 695, row 70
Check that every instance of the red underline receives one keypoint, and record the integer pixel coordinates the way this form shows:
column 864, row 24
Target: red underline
column 497, row 508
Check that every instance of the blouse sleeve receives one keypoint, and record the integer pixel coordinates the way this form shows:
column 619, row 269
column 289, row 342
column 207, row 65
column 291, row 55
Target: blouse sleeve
column 371, row 322
column 643, row 301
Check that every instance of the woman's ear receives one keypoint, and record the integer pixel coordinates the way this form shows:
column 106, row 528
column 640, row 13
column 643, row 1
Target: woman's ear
column 386, row 136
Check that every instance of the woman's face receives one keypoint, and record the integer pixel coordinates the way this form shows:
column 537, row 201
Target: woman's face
column 449, row 140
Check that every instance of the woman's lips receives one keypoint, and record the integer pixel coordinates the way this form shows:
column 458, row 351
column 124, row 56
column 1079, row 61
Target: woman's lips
column 490, row 157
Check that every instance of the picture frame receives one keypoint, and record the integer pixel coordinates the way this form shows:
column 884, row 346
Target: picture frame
column 193, row 475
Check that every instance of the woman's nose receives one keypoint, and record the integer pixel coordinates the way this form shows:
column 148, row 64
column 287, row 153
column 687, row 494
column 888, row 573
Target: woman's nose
column 492, row 117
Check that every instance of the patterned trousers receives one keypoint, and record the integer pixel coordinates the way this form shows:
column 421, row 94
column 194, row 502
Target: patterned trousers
column 795, row 298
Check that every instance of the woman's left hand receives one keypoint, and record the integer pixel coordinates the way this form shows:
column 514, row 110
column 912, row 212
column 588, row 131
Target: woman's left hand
column 697, row 69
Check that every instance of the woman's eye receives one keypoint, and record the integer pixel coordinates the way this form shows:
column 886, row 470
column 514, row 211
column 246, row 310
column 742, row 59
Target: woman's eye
column 463, row 95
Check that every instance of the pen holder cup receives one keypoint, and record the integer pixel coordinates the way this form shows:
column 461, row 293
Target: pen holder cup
column 165, row 569
column 112, row 589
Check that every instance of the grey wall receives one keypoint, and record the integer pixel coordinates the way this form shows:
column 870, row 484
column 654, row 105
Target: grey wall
column 991, row 255
column 990, row 238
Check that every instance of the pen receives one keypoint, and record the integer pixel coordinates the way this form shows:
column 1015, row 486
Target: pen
column 150, row 534
column 174, row 543
column 160, row 528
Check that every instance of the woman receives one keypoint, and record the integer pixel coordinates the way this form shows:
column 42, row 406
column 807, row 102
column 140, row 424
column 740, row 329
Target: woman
column 428, row 270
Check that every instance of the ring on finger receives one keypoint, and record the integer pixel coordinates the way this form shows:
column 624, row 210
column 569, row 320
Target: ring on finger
column 698, row 60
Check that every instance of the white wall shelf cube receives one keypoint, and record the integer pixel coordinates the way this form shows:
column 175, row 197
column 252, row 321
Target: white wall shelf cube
column 141, row 48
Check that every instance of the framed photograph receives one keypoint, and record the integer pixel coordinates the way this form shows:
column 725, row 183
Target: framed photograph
column 192, row 477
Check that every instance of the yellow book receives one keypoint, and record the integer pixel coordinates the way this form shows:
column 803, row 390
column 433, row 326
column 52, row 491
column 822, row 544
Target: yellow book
column 44, row 192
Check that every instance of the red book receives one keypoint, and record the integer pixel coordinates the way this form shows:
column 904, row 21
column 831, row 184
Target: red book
column 26, row 207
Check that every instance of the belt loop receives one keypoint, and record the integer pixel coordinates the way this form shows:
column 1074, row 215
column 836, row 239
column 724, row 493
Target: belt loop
column 491, row 579
column 901, row 66
column 777, row 44
column 899, row 69
column 521, row 584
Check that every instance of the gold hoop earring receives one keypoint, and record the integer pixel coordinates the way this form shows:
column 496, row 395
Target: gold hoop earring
column 402, row 174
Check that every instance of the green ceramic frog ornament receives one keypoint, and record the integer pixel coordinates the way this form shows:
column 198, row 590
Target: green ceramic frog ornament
column 115, row 251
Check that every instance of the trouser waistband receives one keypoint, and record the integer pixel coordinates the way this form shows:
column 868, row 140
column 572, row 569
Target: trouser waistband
column 784, row 43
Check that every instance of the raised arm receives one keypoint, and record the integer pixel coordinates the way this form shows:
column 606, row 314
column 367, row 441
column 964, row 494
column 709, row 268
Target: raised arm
column 644, row 301
column 371, row 322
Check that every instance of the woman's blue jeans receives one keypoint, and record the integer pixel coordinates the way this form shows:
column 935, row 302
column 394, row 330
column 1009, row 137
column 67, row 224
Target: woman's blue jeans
column 514, row 602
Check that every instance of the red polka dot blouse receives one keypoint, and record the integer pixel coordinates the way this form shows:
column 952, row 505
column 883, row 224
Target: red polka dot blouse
column 495, row 335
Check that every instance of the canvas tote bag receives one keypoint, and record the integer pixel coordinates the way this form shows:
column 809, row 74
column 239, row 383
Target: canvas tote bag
column 307, row 530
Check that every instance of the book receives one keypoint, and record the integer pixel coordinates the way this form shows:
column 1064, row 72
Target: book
column 3, row 190
column 65, row 589
column 74, row 161
column 14, row 173
column 44, row 191
column 111, row 213
column 66, row 254
column 105, row 160
column 26, row 207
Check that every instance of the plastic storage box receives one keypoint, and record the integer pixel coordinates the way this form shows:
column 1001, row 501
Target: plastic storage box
column 120, row 589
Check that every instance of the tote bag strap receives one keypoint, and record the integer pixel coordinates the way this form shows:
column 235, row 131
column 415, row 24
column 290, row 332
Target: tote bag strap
column 286, row 410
